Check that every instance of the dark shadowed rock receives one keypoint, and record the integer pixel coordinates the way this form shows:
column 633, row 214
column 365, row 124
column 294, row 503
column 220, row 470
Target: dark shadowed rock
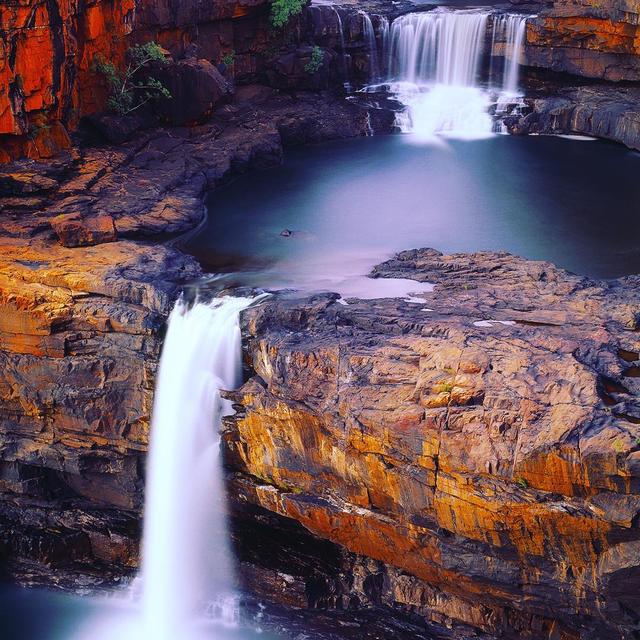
column 196, row 88
column 119, row 129
column 599, row 111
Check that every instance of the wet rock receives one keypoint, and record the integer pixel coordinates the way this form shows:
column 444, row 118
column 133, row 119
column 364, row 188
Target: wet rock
column 598, row 111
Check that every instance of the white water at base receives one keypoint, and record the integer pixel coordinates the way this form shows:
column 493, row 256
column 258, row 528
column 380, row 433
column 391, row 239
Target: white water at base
column 457, row 112
column 434, row 63
column 186, row 561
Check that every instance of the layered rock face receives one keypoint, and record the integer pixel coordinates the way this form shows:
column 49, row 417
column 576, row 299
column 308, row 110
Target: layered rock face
column 48, row 49
column 595, row 40
column 83, row 301
column 483, row 445
column 602, row 112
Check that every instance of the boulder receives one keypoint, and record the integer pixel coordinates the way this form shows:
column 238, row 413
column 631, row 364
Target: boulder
column 73, row 230
column 196, row 88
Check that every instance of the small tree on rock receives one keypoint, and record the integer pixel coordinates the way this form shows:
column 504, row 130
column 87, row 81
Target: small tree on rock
column 133, row 88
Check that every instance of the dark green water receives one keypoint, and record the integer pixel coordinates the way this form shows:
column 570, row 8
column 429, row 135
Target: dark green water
column 576, row 203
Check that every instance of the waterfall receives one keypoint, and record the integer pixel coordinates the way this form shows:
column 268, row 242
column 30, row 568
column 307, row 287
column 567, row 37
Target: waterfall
column 186, row 560
column 384, row 38
column 515, row 32
column 372, row 46
column 438, row 46
column 435, row 58
column 434, row 65
column 343, row 51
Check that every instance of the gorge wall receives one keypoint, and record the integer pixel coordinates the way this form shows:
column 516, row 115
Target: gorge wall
column 48, row 49
column 589, row 39
column 483, row 445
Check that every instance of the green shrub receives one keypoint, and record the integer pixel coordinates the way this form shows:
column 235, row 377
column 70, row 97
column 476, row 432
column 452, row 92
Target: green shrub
column 283, row 10
column 522, row 483
column 316, row 62
column 444, row 387
column 129, row 91
column 618, row 445
column 228, row 58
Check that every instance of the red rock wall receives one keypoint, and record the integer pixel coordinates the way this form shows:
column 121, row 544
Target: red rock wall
column 48, row 48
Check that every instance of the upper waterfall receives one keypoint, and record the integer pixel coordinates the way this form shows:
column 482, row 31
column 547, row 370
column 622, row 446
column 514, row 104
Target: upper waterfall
column 439, row 46
column 437, row 67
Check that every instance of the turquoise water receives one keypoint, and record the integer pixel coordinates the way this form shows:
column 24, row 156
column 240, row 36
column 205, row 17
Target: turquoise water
column 576, row 203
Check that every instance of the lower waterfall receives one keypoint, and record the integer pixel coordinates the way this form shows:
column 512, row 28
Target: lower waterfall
column 187, row 581
column 186, row 560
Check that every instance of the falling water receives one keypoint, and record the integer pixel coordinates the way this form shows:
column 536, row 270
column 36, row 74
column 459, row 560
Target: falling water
column 515, row 31
column 435, row 58
column 186, row 560
column 440, row 46
column 343, row 51
column 372, row 46
column 434, row 63
column 384, row 37
column 509, row 30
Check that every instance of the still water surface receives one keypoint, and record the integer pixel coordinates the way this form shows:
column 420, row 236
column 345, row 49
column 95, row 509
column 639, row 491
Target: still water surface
column 349, row 204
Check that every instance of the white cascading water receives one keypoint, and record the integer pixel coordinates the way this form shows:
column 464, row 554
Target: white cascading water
column 510, row 28
column 434, row 61
column 435, row 58
column 370, row 37
column 186, row 560
column 343, row 52
column 384, row 39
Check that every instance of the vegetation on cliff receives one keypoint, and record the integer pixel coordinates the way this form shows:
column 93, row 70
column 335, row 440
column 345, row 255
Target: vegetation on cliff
column 317, row 60
column 132, row 88
column 283, row 10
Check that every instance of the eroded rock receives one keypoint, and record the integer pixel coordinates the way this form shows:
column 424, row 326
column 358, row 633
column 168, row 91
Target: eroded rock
column 482, row 442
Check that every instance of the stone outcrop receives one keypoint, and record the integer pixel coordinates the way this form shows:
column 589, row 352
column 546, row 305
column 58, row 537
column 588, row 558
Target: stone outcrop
column 83, row 302
column 48, row 49
column 591, row 39
column 484, row 445
column 602, row 112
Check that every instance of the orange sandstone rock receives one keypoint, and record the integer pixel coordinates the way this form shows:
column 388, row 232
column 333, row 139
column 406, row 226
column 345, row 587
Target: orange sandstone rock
column 496, row 463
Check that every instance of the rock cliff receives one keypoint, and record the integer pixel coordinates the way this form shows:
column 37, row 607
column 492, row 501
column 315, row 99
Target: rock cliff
column 49, row 47
column 483, row 445
column 591, row 39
